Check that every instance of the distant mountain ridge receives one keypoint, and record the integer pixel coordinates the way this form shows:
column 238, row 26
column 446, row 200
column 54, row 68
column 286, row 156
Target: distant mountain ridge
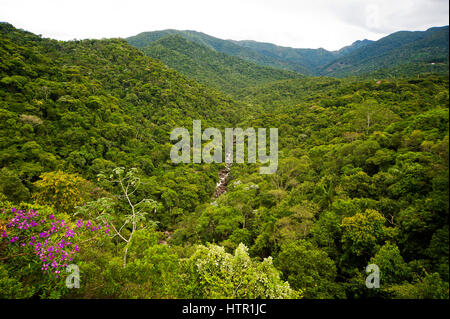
column 352, row 47
column 210, row 67
column 294, row 59
column 399, row 48
column 224, row 46
column 403, row 52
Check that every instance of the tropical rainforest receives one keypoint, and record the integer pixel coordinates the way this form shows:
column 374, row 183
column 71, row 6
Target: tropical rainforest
column 87, row 185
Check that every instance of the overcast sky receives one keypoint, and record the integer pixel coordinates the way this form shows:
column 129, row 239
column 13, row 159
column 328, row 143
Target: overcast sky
column 330, row 24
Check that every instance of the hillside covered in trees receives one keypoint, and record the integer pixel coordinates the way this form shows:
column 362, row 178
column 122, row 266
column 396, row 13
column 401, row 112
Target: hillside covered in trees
column 399, row 54
column 86, row 176
column 219, row 70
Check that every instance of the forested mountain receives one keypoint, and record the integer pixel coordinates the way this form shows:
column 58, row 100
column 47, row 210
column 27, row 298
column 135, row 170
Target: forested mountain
column 221, row 71
column 419, row 49
column 401, row 53
column 86, row 176
column 101, row 100
column 350, row 48
column 224, row 46
column 293, row 59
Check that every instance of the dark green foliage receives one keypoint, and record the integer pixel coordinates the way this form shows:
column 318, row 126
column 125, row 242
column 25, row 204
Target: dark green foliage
column 221, row 71
column 309, row 268
column 224, row 46
column 307, row 61
column 401, row 53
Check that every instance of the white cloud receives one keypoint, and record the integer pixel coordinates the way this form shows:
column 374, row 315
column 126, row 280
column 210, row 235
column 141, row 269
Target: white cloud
column 387, row 16
column 321, row 23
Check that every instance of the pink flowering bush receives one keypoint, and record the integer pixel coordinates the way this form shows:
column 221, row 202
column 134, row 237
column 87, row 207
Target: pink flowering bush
column 54, row 242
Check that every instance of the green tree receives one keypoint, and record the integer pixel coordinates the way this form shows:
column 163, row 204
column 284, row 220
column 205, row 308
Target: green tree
column 309, row 269
column 128, row 183
column 12, row 187
column 62, row 190
column 363, row 233
column 212, row 273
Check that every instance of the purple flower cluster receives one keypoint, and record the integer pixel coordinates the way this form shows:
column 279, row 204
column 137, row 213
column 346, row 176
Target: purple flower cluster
column 53, row 241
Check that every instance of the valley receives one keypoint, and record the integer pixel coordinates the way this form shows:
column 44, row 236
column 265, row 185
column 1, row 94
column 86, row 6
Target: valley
column 86, row 170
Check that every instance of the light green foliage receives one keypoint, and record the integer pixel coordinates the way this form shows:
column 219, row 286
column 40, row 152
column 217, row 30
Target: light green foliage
column 213, row 273
column 63, row 191
column 363, row 233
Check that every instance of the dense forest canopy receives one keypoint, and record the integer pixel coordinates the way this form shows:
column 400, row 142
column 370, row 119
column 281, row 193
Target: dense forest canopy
column 219, row 70
column 86, row 176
